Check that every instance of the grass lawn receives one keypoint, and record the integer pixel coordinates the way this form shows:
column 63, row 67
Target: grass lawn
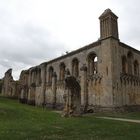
column 23, row 122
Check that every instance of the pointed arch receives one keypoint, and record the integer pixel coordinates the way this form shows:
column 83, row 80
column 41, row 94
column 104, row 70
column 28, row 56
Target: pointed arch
column 129, row 62
column 62, row 71
column 75, row 67
column 136, row 67
column 92, row 63
column 124, row 65
column 39, row 76
column 50, row 74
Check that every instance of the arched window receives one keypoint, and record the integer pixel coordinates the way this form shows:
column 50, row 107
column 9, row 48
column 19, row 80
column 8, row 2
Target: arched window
column 124, row 64
column 38, row 76
column 92, row 63
column 129, row 61
column 75, row 67
column 136, row 67
column 62, row 71
column 50, row 74
column 33, row 75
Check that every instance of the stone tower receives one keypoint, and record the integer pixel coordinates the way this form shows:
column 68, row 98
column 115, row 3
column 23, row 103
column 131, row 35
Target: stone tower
column 108, row 25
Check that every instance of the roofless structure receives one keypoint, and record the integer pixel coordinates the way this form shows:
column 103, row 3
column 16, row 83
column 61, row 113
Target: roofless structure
column 104, row 75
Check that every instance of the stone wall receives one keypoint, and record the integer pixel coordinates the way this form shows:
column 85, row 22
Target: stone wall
column 10, row 88
column 126, row 76
column 107, row 72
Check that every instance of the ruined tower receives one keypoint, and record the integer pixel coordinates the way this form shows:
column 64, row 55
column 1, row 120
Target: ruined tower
column 108, row 25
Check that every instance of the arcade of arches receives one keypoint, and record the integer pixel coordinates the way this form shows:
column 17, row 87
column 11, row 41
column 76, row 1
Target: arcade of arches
column 104, row 75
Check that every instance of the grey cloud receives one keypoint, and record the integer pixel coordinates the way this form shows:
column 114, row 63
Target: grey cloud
column 26, row 44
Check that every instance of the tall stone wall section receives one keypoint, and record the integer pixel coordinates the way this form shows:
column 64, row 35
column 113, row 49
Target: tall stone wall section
column 126, row 84
column 10, row 88
column 107, row 71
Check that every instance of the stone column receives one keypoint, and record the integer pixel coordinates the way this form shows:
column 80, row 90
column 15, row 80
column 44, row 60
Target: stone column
column 54, row 80
column 67, row 98
column 84, row 89
column 43, row 83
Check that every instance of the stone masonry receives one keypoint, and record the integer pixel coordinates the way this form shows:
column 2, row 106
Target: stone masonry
column 10, row 87
column 107, row 72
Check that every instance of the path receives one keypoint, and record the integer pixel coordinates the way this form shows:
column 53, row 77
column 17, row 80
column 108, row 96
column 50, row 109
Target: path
column 120, row 119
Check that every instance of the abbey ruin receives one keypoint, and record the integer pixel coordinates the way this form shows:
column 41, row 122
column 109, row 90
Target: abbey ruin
column 104, row 75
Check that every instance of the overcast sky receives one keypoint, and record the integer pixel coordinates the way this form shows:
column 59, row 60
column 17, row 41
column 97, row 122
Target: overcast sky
column 34, row 31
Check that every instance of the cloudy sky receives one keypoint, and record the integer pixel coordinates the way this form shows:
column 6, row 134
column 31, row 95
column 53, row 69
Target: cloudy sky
column 34, row 31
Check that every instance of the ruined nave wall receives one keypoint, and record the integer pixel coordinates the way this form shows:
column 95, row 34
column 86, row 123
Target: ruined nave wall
column 126, row 75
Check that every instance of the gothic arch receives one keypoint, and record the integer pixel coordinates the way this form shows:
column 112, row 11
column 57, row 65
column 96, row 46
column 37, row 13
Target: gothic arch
column 124, row 65
column 62, row 71
column 50, row 74
column 39, row 76
column 92, row 63
column 129, row 62
column 33, row 75
column 136, row 67
column 75, row 67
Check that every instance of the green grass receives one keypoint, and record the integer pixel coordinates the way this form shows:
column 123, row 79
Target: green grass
column 23, row 122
